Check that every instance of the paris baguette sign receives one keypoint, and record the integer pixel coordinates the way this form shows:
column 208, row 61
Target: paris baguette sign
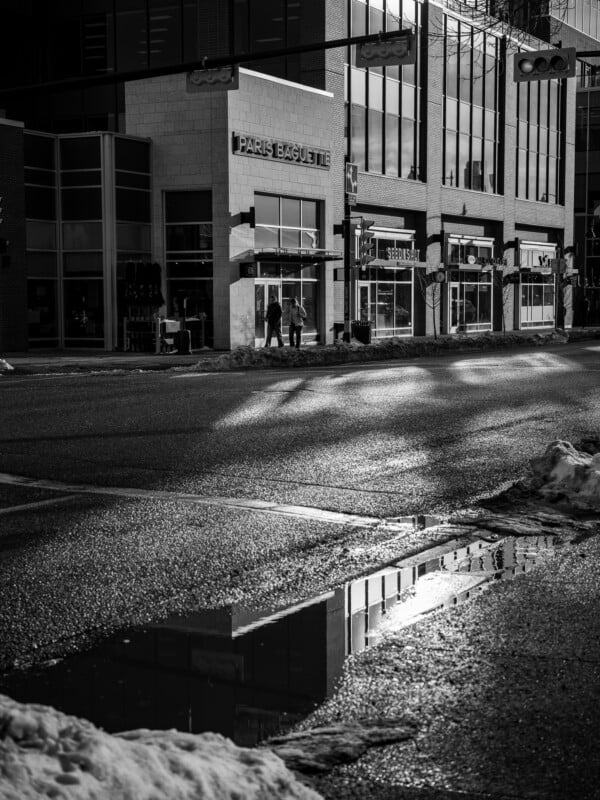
column 277, row 150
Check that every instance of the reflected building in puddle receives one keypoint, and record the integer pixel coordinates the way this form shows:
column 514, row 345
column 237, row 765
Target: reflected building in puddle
column 249, row 674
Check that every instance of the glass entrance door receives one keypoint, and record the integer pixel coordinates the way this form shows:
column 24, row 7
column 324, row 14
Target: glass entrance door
column 262, row 292
column 454, row 309
column 364, row 302
column 470, row 304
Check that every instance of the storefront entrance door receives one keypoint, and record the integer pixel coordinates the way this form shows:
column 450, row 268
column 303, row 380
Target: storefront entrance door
column 262, row 292
column 454, row 315
column 364, row 302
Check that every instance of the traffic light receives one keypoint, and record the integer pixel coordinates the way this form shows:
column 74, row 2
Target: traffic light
column 366, row 245
column 202, row 80
column 545, row 64
column 399, row 50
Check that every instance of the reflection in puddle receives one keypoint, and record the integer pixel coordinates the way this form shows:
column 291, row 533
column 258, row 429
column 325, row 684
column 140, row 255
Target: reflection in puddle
column 250, row 675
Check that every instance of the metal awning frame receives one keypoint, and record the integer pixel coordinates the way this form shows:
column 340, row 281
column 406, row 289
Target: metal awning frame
column 289, row 254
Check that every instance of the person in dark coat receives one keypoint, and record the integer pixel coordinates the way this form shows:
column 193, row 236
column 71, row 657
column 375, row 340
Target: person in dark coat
column 273, row 320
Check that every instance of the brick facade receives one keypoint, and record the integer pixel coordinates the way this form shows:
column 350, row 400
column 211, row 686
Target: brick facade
column 192, row 135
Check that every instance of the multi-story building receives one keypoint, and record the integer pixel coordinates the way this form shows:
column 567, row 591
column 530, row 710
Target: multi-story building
column 579, row 26
column 152, row 196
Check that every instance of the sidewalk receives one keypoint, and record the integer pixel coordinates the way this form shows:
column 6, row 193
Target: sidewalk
column 73, row 361
column 52, row 361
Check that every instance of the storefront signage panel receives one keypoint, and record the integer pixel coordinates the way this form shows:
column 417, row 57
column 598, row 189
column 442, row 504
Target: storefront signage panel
column 276, row 150
column 397, row 257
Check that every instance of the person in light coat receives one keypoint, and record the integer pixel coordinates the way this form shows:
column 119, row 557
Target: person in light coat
column 297, row 317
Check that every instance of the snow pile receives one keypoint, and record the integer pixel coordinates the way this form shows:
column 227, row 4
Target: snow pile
column 248, row 357
column 567, row 472
column 47, row 754
column 5, row 366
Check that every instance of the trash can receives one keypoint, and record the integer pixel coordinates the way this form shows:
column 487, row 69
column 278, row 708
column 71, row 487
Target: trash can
column 361, row 331
column 183, row 343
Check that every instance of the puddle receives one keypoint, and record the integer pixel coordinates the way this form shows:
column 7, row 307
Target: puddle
column 250, row 675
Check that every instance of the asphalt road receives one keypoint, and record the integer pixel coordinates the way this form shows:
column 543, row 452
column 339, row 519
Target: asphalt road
column 399, row 438
column 210, row 488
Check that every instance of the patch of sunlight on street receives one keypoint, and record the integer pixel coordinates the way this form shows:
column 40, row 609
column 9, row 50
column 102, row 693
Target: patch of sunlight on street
column 303, row 397
column 263, row 404
column 470, row 372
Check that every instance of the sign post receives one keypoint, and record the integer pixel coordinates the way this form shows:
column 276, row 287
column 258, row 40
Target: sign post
column 350, row 192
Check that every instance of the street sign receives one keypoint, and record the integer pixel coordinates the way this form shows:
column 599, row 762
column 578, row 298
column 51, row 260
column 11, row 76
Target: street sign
column 545, row 64
column 400, row 50
column 351, row 182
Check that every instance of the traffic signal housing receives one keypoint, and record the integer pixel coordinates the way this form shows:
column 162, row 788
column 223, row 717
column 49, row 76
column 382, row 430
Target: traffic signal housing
column 366, row 245
column 542, row 65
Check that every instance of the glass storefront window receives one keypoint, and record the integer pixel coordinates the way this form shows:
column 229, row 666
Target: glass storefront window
column 189, row 265
column 287, row 280
column 40, row 202
column 402, row 305
column 537, row 301
column 82, row 235
column 81, row 204
column 40, row 235
column 286, row 222
column 195, row 238
column 82, row 264
column 84, row 311
column 42, row 310
column 385, row 294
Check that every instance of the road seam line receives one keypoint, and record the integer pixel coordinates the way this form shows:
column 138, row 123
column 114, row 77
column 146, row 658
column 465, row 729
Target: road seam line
column 304, row 512
column 36, row 504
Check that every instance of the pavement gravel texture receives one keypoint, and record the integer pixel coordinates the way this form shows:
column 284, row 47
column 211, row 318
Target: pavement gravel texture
column 504, row 691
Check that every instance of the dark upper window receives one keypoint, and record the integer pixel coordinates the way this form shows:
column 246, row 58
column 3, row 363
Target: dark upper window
column 263, row 25
column 539, row 145
column 471, row 108
column 384, row 101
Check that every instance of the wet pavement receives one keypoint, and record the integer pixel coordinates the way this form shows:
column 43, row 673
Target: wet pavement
column 252, row 674
column 478, row 642
column 503, row 690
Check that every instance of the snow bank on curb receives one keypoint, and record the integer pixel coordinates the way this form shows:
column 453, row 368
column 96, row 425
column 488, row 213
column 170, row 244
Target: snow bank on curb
column 383, row 349
column 47, row 754
column 570, row 472
column 5, row 366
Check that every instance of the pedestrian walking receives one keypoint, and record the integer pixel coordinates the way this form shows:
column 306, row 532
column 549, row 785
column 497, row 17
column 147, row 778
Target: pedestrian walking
column 273, row 320
column 297, row 317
